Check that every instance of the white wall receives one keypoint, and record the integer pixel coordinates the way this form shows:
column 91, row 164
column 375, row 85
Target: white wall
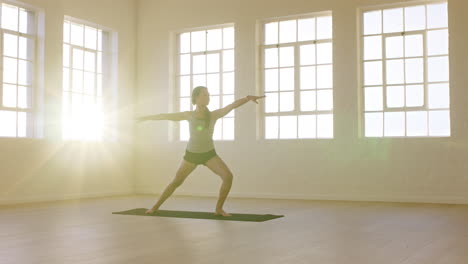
column 347, row 167
column 50, row 169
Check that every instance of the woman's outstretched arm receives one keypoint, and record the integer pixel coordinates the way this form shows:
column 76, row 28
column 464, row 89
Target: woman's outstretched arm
column 168, row 116
column 225, row 110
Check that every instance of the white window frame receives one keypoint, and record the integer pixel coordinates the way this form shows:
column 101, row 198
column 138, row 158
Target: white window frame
column 109, row 69
column 33, row 113
column 383, row 59
column 175, row 94
column 261, row 86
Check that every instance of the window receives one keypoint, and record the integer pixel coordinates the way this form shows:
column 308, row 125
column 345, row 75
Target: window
column 84, row 50
column 297, row 67
column 18, row 39
column 405, row 68
column 206, row 58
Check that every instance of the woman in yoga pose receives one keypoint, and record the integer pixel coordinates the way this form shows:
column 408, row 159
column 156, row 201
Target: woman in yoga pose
column 200, row 148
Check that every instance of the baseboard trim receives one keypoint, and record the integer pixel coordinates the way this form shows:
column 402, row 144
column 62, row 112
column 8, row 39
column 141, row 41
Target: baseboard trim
column 326, row 197
column 53, row 198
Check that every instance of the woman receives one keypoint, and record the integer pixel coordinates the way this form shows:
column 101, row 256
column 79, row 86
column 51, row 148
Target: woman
column 200, row 148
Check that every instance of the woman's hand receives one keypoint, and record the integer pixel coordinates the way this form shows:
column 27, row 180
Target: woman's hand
column 255, row 98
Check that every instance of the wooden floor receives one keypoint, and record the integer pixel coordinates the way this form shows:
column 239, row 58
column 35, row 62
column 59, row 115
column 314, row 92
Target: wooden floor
column 311, row 232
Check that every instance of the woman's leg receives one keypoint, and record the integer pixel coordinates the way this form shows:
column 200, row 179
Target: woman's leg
column 184, row 170
column 217, row 165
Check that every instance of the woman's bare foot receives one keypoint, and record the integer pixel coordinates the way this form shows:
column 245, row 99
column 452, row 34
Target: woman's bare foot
column 151, row 211
column 222, row 213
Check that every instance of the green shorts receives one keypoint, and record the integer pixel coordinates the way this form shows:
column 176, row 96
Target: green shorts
column 199, row 158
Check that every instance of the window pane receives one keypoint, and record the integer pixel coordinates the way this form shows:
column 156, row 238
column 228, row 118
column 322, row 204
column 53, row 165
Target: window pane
column 437, row 42
column 394, row 47
column 199, row 80
column 66, row 55
column 393, row 20
column 373, row 48
column 214, row 103
column 416, row 123
column 184, row 130
column 99, row 85
column 184, row 42
column 307, row 55
column 185, row 104
column 414, row 70
column 306, row 29
column 213, row 62
column 10, row 45
column 22, row 124
column 271, row 127
column 288, row 127
column 10, row 17
column 271, row 33
column 374, row 124
column 199, row 64
column 78, row 59
column 185, row 64
column 66, row 79
column 414, row 46
column 373, row 97
column 26, row 48
column 217, row 134
column 437, row 16
column 394, row 124
column 414, row 95
column 228, row 128
column 324, row 99
column 287, row 31
column 25, row 69
column 66, row 32
column 395, row 96
column 10, row 70
column 438, row 96
column 286, row 56
column 228, row 38
column 198, row 41
column 23, row 97
column 77, row 80
column 228, row 83
column 415, row 18
column 7, row 124
column 325, row 126
column 373, row 73
column 307, row 126
column 287, row 101
column 271, row 103
column 287, row 79
column 90, row 38
column 395, row 72
column 308, row 77
column 9, row 95
column 372, row 22
column 324, row 27
column 438, row 69
column 215, row 41
column 324, row 76
column 99, row 62
column 228, row 60
column 308, row 101
column 185, row 86
column 324, row 53
column 77, row 34
column 271, row 80
column 439, row 123
column 90, row 61
column 271, row 58
column 213, row 83
column 89, row 81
